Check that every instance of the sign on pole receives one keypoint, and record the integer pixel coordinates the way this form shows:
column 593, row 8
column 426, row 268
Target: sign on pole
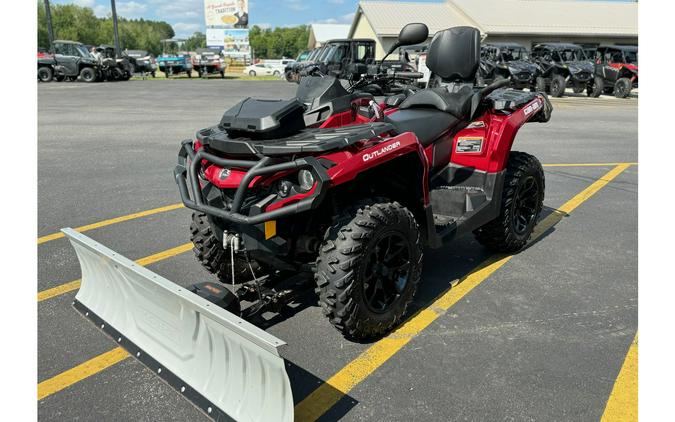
column 229, row 13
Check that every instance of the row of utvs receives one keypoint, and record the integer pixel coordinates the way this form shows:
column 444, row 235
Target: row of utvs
column 70, row 60
column 549, row 67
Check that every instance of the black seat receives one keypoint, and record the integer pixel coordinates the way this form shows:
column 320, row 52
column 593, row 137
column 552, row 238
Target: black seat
column 426, row 123
column 456, row 103
column 453, row 56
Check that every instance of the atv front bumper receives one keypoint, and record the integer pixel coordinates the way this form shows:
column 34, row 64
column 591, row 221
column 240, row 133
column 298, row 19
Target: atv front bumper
column 187, row 177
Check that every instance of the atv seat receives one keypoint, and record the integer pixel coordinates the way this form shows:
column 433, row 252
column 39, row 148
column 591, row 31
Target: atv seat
column 426, row 123
column 457, row 103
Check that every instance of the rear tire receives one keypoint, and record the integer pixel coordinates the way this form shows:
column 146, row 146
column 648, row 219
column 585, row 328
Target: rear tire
column 210, row 253
column 251, row 73
column 558, row 85
column 522, row 201
column 45, row 74
column 622, row 88
column 377, row 241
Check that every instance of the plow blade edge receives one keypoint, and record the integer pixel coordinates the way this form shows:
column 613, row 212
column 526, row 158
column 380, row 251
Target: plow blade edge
column 224, row 365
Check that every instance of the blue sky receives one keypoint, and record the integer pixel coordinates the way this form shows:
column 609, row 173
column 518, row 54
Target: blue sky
column 187, row 16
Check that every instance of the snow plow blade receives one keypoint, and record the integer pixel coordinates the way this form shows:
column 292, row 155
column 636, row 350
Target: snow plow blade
column 227, row 367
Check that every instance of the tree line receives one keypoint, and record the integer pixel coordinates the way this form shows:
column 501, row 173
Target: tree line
column 278, row 42
column 76, row 23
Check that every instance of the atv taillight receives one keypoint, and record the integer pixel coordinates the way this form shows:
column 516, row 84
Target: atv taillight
column 197, row 145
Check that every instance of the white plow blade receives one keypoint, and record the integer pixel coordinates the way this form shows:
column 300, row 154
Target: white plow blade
column 224, row 365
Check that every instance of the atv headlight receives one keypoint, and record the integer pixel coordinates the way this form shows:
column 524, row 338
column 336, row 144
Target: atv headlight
column 306, row 180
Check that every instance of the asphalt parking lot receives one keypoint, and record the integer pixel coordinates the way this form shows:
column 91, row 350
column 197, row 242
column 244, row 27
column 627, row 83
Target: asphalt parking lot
column 539, row 336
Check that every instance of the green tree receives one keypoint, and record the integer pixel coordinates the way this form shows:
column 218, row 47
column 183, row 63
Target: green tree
column 196, row 40
column 278, row 42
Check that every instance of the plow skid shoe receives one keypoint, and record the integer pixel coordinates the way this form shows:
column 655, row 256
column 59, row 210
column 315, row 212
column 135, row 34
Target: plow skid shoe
column 224, row 365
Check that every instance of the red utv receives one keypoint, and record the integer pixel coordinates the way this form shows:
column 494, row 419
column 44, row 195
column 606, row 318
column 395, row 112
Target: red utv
column 616, row 71
column 280, row 206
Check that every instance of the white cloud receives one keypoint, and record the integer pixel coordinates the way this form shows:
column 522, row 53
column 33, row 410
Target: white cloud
column 297, row 5
column 185, row 29
column 131, row 9
column 346, row 18
column 263, row 25
column 336, row 1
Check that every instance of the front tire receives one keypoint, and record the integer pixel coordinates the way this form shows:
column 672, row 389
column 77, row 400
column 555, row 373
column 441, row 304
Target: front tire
column 598, row 87
column 540, row 84
column 558, row 85
column 210, row 253
column 87, row 74
column 368, row 268
column 521, row 204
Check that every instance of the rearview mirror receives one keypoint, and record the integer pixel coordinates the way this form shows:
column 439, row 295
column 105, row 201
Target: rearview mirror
column 411, row 34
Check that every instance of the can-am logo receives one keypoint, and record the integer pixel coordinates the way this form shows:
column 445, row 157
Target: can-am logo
column 381, row 151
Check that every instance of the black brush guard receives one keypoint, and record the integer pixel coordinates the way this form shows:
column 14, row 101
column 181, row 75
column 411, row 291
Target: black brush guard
column 263, row 166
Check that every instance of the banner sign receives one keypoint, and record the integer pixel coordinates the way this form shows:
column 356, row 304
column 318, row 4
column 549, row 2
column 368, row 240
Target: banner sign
column 229, row 13
column 233, row 42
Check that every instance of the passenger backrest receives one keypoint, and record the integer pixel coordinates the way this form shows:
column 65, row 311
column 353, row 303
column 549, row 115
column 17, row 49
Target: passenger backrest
column 454, row 54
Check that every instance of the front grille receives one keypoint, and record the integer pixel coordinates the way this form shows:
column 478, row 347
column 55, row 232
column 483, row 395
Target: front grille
column 583, row 76
column 523, row 76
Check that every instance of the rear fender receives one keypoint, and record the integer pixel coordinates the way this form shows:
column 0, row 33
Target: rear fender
column 485, row 144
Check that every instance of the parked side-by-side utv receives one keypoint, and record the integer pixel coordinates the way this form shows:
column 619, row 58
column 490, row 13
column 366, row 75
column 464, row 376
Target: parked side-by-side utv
column 207, row 61
column 506, row 61
column 284, row 203
column 70, row 60
column 561, row 66
column 616, row 71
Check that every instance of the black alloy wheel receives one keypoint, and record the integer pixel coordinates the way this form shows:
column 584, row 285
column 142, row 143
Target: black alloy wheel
column 525, row 205
column 387, row 272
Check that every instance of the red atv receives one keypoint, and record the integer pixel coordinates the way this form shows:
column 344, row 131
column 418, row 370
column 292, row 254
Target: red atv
column 616, row 71
column 348, row 209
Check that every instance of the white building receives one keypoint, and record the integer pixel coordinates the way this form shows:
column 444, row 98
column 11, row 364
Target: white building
column 319, row 33
column 526, row 22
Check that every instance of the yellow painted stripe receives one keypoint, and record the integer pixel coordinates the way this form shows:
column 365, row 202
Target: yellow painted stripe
column 111, row 221
column 587, row 164
column 329, row 393
column 75, row 284
column 80, row 372
column 622, row 405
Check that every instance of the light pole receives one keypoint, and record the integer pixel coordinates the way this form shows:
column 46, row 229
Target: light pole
column 50, row 30
column 117, row 37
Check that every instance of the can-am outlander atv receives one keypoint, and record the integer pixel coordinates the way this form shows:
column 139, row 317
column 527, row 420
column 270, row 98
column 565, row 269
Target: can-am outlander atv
column 356, row 205
column 348, row 209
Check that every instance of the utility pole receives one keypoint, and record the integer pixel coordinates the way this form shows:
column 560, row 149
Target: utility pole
column 117, row 37
column 50, row 30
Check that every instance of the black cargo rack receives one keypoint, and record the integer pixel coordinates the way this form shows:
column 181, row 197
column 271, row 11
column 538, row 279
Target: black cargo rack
column 306, row 141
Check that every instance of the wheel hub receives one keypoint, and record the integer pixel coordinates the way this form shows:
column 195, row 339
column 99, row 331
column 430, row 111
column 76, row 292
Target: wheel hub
column 525, row 205
column 387, row 272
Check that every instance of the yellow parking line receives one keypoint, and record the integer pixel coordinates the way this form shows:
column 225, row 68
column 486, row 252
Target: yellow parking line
column 111, row 221
column 71, row 376
column 587, row 164
column 75, row 284
column 329, row 393
column 324, row 397
column 622, row 405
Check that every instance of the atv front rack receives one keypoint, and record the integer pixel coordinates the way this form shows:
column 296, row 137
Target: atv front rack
column 273, row 156
column 185, row 173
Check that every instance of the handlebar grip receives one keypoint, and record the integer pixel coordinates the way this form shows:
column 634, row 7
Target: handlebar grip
column 411, row 75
